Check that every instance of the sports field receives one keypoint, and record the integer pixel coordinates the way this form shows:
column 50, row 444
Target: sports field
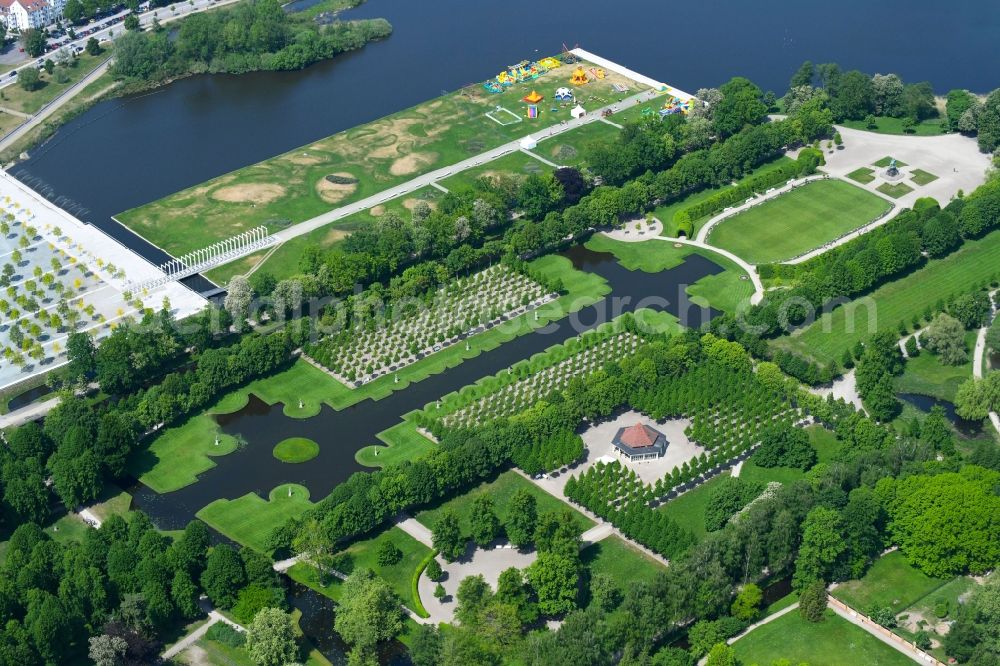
column 362, row 161
column 798, row 221
column 825, row 340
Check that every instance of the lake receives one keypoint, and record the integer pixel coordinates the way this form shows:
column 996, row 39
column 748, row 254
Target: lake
column 126, row 152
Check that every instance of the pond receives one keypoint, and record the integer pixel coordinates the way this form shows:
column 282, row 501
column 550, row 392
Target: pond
column 970, row 429
column 341, row 433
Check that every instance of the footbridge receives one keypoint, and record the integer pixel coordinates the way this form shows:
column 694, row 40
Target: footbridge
column 208, row 258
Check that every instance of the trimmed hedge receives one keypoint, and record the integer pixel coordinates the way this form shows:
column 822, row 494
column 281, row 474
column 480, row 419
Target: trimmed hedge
column 804, row 165
column 418, row 605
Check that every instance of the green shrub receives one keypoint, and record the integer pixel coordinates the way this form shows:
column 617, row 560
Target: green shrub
column 221, row 632
column 387, row 554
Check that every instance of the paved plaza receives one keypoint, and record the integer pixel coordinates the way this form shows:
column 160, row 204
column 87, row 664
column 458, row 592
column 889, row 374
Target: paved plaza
column 58, row 275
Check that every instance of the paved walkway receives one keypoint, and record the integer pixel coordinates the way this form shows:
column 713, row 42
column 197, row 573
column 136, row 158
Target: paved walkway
column 706, row 229
column 32, row 412
column 980, row 352
column 880, row 632
column 760, row 623
column 415, row 529
column 192, row 638
column 284, row 565
column 53, row 106
column 844, row 387
column 596, row 533
column 432, row 177
column 758, row 286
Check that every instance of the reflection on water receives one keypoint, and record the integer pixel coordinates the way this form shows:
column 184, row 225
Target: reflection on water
column 924, row 403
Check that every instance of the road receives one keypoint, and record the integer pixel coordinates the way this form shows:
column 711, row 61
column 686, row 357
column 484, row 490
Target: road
column 980, row 352
column 108, row 33
column 34, row 121
column 432, row 177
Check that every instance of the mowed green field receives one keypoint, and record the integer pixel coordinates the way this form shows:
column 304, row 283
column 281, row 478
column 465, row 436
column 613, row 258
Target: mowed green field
column 362, row 161
column 890, row 582
column 827, row 338
column 249, row 520
column 832, row 642
column 798, row 221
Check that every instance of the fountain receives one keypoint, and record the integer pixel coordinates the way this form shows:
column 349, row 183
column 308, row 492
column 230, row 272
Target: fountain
column 892, row 171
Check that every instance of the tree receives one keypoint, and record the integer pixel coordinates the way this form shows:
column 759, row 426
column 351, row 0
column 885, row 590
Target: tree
column 473, row 595
column 554, row 578
column 973, row 310
column 740, row 106
column 813, row 601
column 107, row 650
column 271, row 639
column 522, row 518
column 73, row 11
column 93, row 47
column 368, row 613
column 223, row 576
column 804, row 75
column 34, row 41
column 447, row 536
column 887, row 90
column 988, row 123
column 853, row 98
column 433, row 570
column 80, row 350
column 945, row 336
column 184, row 594
column 958, row 102
column 29, row 79
column 721, row 655
column 605, row 592
column 974, row 637
column 785, row 446
column 387, row 553
column 940, row 235
column 425, row 648
column 747, row 602
column 484, row 521
column 132, row 23
column 239, row 295
column 822, row 545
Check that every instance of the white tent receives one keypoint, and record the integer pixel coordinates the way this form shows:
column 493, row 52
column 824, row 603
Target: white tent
column 578, row 111
column 564, row 94
column 529, row 143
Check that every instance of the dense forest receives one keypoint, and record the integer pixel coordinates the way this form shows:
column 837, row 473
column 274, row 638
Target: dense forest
column 250, row 36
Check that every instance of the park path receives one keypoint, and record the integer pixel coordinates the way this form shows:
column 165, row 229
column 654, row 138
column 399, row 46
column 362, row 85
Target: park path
column 980, row 352
column 599, row 521
column 759, row 623
column 758, row 286
column 415, row 529
column 431, row 178
column 706, row 229
column 880, row 632
column 192, row 638
column 32, row 412
column 596, row 533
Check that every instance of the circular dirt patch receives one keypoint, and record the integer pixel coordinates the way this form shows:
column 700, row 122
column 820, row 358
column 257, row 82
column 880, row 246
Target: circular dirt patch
column 412, row 163
column 296, row 450
column 411, row 203
column 255, row 193
column 377, row 211
column 336, row 187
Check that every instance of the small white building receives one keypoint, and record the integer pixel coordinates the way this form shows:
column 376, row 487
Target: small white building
column 578, row 111
column 528, row 143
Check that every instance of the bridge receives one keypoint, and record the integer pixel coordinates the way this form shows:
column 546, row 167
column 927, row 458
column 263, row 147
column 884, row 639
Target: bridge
column 208, row 258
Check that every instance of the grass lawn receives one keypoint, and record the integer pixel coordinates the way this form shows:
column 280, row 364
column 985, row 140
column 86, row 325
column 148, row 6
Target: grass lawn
column 570, row 148
column 887, row 125
column 823, row 440
column 368, row 159
column 887, row 160
column 30, row 101
column 113, row 501
column 797, row 221
column 689, row 509
column 657, row 321
column 249, row 520
column 624, row 563
column 894, row 190
column 864, row 175
column 665, row 213
column 891, row 582
column 500, row 489
column 362, row 554
column 827, row 338
column 724, row 291
column 402, row 442
column 296, row 450
column 832, row 642
column 515, row 164
column 921, row 177
column 926, row 375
